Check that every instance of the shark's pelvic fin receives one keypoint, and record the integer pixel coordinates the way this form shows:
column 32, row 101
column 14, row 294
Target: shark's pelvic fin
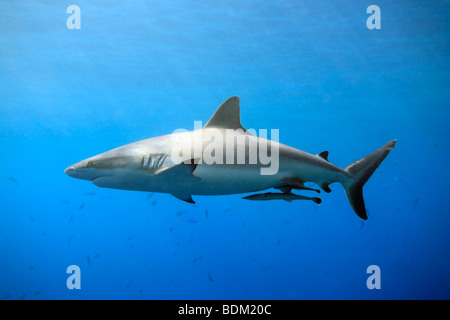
column 227, row 115
column 294, row 183
column 184, row 197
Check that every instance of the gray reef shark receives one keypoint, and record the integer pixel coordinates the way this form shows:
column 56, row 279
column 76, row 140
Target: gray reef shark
column 222, row 158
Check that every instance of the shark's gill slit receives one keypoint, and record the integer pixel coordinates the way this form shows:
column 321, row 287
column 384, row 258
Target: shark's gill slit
column 160, row 162
column 151, row 162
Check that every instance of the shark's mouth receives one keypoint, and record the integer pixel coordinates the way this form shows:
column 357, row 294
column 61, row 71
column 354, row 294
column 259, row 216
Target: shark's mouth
column 105, row 181
column 101, row 181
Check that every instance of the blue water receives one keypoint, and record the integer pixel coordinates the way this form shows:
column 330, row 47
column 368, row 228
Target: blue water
column 138, row 69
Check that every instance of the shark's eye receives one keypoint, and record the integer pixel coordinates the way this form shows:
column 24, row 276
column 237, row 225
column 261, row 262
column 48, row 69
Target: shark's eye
column 89, row 164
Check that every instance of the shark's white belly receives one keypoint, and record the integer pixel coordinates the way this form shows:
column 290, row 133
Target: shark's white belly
column 205, row 180
column 229, row 179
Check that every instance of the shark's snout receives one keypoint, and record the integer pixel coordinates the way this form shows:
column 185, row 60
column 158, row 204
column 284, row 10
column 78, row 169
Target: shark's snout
column 81, row 170
column 70, row 171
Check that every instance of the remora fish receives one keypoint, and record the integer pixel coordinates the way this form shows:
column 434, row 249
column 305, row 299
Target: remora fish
column 150, row 165
column 286, row 196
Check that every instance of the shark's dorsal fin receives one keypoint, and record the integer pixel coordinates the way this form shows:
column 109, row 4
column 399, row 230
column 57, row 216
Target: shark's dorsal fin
column 227, row 115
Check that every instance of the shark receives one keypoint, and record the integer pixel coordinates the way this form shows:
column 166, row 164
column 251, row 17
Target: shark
column 199, row 162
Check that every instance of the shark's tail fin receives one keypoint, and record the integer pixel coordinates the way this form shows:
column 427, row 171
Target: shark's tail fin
column 360, row 171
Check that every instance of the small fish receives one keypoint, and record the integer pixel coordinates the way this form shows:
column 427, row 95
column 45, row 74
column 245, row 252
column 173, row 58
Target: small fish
column 416, row 202
column 12, row 179
column 264, row 268
column 210, row 277
column 280, row 196
column 130, row 238
column 206, row 213
column 65, row 201
column 197, row 259
column 88, row 260
column 31, row 218
column 190, row 220
column 180, row 213
column 149, row 196
column 153, row 203
column 81, row 206
column 89, row 194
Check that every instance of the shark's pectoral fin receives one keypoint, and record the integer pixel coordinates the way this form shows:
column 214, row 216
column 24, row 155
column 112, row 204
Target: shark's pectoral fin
column 192, row 165
column 184, row 197
column 187, row 167
column 183, row 172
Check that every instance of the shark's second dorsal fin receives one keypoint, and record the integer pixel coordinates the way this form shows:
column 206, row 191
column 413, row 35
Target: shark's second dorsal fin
column 324, row 155
column 227, row 115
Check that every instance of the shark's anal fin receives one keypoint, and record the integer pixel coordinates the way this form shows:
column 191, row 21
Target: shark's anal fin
column 325, row 187
column 294, row 183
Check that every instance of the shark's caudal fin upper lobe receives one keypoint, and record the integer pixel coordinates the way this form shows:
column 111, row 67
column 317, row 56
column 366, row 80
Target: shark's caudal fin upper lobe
column 361, row 171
